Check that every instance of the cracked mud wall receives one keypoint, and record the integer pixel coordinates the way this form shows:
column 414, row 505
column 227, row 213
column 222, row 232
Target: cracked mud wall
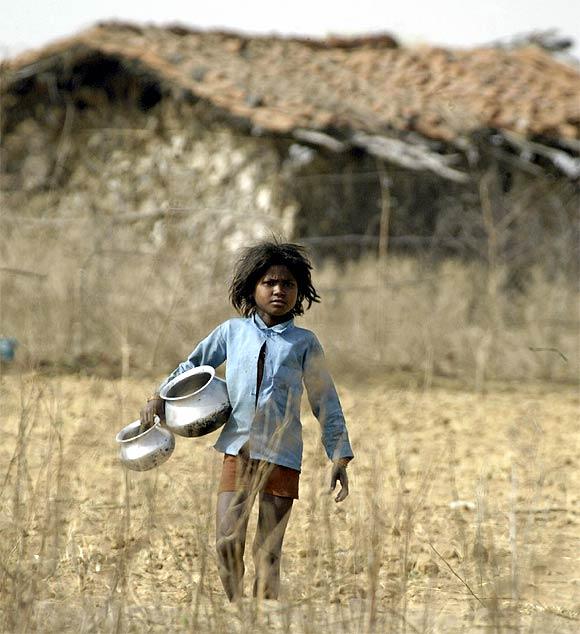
column 120, row 219
column 202, row 182
column 115, row 215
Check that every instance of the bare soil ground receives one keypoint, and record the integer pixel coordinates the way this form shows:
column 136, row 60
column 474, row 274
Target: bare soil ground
column 463, row 516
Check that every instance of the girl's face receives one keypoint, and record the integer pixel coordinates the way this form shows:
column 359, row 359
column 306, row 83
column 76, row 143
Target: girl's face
column 275, row 295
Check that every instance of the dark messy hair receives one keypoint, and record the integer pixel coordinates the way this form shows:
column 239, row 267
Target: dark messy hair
column 252, row 265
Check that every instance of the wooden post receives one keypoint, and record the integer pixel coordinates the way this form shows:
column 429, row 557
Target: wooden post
column 487, row 344
column 385, row 217
column 125, row 352
column 385, row 212
column 78, row 334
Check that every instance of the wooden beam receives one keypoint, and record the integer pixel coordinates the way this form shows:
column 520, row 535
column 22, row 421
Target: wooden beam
column 568, row 165
column 320, row 138
column 414, row 157
column 13, row 271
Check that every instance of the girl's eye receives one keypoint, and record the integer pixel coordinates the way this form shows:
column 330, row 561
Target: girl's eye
column 285, row 283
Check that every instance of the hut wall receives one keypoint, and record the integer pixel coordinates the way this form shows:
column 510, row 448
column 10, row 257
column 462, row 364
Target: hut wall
column 121, row 210
column 527, row 218
column 105, row 144
column 162, row 175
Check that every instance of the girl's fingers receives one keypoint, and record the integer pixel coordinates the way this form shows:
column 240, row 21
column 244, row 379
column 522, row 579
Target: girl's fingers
column 339, row 475
column 334, row 476
column 143, row 426
column 147, row 416
column 342, row 494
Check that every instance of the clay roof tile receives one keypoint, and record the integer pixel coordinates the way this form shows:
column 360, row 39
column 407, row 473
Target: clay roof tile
column 363, row 82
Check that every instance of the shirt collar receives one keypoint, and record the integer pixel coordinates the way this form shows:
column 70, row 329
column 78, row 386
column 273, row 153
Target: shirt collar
column 277, row 328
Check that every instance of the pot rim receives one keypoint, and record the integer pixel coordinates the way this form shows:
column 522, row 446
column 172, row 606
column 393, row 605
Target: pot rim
column 119, row 437
column 201, row 369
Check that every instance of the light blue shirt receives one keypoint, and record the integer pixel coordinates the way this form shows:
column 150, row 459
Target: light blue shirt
column 271, row 423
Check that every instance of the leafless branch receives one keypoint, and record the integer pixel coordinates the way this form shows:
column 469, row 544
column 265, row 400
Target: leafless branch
column 456, row 575
column 7, row 269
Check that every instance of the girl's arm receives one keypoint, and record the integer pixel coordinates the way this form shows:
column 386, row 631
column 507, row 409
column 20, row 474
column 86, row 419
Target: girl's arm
column 211, row 351
column 326, row 405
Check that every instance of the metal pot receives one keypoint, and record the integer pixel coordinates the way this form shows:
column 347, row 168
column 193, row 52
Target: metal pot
column 146, row 450
column 196, row 402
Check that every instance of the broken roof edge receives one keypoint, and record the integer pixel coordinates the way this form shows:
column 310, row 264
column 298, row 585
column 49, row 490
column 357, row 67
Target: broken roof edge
column 379, row 39
column 372, row 40
column 331, row 131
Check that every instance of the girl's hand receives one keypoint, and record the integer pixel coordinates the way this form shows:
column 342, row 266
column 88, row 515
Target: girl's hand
column 155, row 406
column 338, row 474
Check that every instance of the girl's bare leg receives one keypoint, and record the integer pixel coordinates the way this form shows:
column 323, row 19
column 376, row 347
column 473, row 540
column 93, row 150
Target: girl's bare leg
column 273, row 517
column 232, row 513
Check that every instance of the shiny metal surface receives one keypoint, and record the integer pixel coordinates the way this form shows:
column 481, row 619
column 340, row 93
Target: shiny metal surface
column 196, row 402
column 147, row 450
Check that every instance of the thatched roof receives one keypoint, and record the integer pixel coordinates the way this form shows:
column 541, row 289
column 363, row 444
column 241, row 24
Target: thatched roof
column 340, row 89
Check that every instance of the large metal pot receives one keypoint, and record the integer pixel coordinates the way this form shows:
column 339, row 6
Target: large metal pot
column 146, row 450
column 196, row 402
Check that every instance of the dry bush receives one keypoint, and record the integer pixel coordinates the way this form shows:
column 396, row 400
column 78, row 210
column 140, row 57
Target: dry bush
column 461, row 517
column 441, row 321
column 115, row 307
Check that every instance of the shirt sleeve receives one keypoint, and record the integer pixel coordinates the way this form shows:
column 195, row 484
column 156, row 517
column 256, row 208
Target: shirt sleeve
column 210, row 351
column 325, row 403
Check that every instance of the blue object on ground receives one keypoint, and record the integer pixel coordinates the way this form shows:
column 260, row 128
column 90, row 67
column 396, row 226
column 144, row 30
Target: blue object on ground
column 7, row 348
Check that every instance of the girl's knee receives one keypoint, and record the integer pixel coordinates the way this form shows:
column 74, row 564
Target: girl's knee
column 266, row 555
column 228, row 546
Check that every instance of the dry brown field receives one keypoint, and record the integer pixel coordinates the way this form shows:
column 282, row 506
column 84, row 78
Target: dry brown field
column 463, row 516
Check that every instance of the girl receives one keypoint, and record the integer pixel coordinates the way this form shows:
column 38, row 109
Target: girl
column 269, row 359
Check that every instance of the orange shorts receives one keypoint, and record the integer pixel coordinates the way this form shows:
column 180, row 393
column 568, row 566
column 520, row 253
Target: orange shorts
column 241, row 473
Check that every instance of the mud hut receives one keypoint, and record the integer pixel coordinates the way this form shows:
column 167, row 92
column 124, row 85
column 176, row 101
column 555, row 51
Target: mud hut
column 136, row 159
column 219, row 137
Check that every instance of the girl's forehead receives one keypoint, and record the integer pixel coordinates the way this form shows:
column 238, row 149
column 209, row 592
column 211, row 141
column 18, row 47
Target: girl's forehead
column 279, row 272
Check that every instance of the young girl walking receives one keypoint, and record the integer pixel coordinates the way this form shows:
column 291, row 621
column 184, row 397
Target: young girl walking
column 269, row 360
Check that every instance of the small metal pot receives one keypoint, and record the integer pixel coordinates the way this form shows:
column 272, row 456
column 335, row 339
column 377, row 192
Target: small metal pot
column 146, row 450
column 196, row 402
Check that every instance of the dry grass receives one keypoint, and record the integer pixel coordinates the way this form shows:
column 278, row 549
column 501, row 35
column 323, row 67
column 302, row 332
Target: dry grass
column 427, row 356
column 87, row 547
column 118, row 310
column 441, row 321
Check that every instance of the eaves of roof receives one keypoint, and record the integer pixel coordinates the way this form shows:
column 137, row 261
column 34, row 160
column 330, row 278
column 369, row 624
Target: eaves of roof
column 365, row 91
column 281, row 84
